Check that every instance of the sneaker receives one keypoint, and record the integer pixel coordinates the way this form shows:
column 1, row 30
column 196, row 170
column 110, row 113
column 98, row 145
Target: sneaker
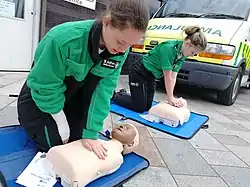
column 122, row 91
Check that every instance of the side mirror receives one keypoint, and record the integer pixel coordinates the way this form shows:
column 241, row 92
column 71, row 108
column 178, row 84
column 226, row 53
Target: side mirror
column 151, row 15
column 162, row 1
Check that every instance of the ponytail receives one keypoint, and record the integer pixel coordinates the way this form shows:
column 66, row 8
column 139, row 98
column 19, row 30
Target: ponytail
column 196, row 37
column 189, row 31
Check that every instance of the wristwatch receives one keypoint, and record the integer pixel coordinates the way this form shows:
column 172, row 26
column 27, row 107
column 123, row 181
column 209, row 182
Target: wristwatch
column 3, row 182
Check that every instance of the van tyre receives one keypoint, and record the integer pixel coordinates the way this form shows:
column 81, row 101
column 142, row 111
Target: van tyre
column 228, row 96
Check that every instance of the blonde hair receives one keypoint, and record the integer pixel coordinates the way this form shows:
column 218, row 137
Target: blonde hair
column 196, row 37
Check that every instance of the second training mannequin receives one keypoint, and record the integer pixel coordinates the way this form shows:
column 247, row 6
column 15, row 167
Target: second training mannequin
column 76, row 165
column 169, row 114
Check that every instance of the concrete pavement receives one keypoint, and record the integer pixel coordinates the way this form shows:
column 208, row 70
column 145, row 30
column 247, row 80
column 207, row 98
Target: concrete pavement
column 215, row 157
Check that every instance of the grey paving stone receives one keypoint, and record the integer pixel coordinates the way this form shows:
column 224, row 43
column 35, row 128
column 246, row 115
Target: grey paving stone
column 160, row 96
column 234, row 177
column 182, row 158
column 12, row 88
column 199, row 181
column 218, row 117
column 233, row 116
column 245, row 116
column 244, row 122
column 203, row 140
column 115, row 118
column 242, row 152
column 218, row 128
column 5, row 101
column 221, row 158
column 152, row 177
column 158, row 134
column 231, row 140
column 8, row 116
column 10, row 78
column 235, row 127
column 13, row 104
column 148, row 149
column 244, row 135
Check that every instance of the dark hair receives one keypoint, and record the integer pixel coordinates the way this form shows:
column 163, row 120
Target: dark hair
column 128, row 14
column 197, row 38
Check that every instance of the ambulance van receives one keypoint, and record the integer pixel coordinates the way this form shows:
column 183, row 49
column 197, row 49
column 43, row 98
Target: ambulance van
column 225, row 64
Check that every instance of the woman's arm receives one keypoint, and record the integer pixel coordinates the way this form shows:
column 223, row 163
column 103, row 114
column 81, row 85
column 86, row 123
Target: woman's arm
column 169, row 80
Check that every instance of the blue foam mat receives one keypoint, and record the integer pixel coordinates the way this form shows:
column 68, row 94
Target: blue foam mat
column 16, row 151
column 185, row 131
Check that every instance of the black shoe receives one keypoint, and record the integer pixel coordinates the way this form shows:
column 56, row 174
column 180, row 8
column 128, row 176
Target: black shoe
column 122, row 91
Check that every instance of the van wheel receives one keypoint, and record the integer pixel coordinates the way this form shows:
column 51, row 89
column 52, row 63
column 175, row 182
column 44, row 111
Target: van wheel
column 228, row 96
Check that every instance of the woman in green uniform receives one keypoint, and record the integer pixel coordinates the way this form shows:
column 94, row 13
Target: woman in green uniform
column 165, row 60
column 76, row 68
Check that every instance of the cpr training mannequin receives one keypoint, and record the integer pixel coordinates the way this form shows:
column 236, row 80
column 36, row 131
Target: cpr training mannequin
column 73, row 162
column 169, row 114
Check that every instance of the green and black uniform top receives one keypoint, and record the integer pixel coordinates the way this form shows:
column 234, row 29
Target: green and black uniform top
column 72, row 50
column 165, row 56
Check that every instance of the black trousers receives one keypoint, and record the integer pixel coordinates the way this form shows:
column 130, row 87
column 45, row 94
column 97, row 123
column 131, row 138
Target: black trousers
column 41, row 126
column 142, row 88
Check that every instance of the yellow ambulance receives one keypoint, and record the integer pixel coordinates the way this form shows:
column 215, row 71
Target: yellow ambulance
column 224, row 65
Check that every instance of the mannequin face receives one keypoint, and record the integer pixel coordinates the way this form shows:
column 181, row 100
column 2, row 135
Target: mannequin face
column 124, row 133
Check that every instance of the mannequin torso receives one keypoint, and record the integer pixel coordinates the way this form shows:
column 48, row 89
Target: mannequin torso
column 73, row 162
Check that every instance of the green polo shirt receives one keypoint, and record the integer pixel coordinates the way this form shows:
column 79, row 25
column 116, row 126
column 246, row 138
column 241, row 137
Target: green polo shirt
column 164, row 57
column 68, row 50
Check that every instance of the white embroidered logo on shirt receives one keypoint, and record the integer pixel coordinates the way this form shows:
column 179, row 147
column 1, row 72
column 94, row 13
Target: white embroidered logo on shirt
column 110, row 64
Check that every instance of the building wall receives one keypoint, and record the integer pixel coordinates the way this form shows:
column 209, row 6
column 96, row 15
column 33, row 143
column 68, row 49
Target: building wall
column 59, row 11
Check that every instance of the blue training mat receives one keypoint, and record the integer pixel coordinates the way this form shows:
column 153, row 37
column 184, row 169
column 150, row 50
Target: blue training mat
column 17, row 150
column 185, row 131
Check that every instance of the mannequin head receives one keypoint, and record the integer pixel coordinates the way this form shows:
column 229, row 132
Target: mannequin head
column 128, row 135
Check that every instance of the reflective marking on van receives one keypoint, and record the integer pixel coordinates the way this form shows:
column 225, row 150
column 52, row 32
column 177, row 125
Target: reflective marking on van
column 181, row 27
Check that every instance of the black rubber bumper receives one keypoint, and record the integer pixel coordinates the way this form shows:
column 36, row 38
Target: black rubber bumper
column 206, row 75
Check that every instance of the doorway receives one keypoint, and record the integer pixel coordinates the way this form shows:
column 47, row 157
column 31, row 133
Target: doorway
column 18, row 33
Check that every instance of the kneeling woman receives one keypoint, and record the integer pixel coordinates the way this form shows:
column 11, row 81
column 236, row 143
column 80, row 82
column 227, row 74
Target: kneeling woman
column 76, row 68
column 165, row 60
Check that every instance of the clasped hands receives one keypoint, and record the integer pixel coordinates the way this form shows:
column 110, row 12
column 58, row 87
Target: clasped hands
column 177, row 102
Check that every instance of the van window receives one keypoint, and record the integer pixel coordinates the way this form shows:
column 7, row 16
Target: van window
column 207, row 8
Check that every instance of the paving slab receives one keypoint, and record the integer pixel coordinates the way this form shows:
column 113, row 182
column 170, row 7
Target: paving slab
column 244, row 122
column 235, row 127
column 233, row 176
column 158, row 134
column 203, row 140
column 242, row 152
column 152, row 177
column 244, row 135
column 182, row 158
column 148, row 149
column 219, row 117
column 221, row 158
column 5, row 101
column 9, row 78
column 230, row 140
column 12, row 88
column 198, row 181
column 218, row 128
column 8, row 116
